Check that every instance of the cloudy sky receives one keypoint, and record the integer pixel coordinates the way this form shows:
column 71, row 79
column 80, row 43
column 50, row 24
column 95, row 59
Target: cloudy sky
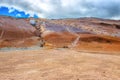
column 109, row 9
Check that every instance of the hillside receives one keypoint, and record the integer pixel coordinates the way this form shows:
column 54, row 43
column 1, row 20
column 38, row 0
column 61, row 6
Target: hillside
column 75, row 49
column 93, row 33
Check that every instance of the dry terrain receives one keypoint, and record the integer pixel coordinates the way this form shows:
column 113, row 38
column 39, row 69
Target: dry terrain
column 75, row 49
column 58, row 64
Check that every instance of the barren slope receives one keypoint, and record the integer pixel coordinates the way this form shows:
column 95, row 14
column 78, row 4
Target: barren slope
column 93, row 25
column 95, row 34
column 12, row 28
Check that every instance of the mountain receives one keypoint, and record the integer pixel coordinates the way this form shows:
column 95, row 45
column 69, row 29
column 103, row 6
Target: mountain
column 82, row 33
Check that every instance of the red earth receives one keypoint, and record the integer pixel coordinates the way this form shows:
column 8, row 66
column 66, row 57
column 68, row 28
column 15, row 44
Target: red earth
column 95, row 34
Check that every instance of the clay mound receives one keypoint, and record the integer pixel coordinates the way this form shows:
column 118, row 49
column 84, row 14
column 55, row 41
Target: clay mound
column 16, row 33
column 12, row 28
column 94, row 33
column 60, row 39
column 90, row 42
column 93, row 25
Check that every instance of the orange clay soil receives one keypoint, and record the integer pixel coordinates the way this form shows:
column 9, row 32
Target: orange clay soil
column 88, row 42
column 27, row 42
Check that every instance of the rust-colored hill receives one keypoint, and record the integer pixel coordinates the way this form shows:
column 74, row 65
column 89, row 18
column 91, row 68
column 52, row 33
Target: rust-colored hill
column 93, row 25
column 12, row 28
column 13, row 31
column 94, row 34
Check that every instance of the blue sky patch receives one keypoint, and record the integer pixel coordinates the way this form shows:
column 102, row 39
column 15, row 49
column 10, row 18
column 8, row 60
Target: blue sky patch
column 4, row 11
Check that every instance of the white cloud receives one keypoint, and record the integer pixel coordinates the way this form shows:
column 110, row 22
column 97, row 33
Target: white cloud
column 11, row 10
column 65, row 8
column 18, row 15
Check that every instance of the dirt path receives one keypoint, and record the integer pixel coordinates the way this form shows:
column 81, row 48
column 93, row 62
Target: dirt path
column 58, row 64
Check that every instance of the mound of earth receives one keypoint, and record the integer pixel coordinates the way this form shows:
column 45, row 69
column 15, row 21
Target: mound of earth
column 13, row 28
column 94, row 33
column 93, row 25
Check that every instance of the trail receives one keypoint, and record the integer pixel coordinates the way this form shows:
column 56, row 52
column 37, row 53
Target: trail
column 74, row 43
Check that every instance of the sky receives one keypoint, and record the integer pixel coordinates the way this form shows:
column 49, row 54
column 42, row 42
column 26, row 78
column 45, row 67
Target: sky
column 56, row 9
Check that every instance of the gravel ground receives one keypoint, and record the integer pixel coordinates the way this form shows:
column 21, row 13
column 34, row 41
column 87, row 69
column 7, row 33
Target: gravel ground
column 58, row 64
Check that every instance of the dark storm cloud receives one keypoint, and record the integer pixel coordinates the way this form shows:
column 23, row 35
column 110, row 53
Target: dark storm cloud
column 66, row 8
